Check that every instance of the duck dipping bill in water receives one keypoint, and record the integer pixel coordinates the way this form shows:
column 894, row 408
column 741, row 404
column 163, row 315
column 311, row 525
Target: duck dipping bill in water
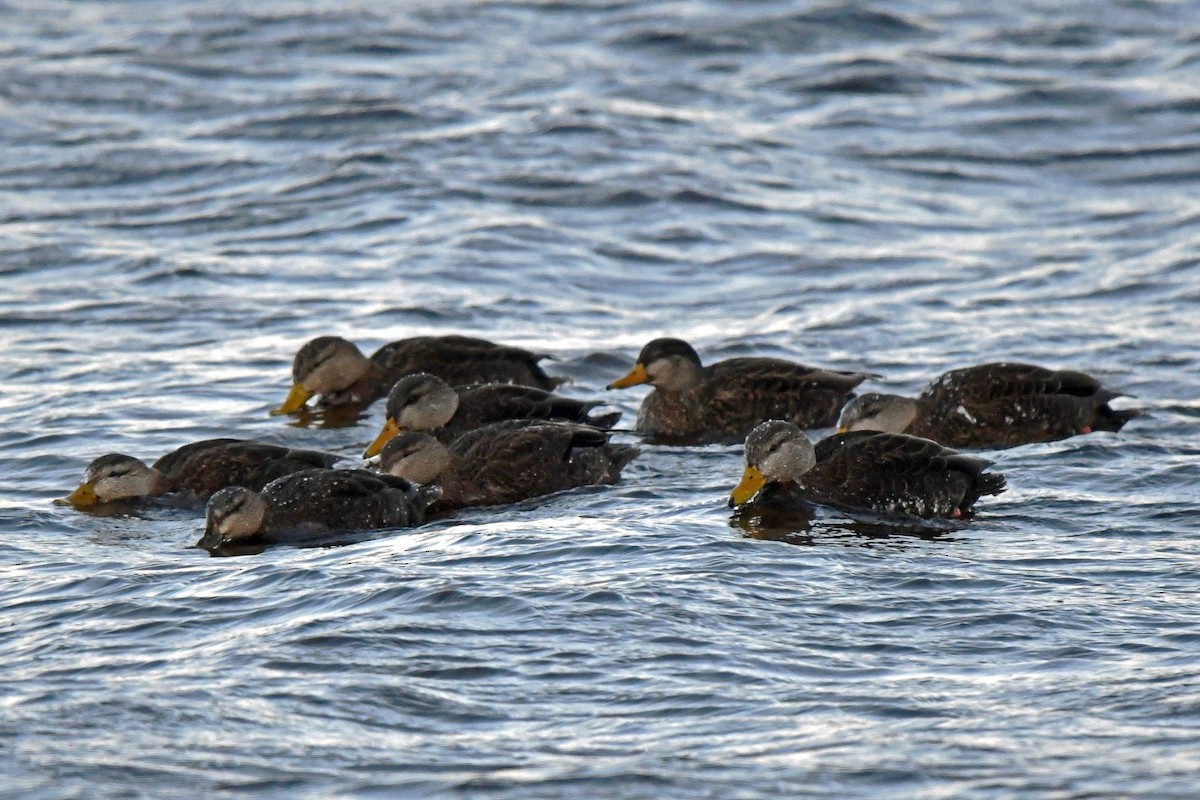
column 425, row 402
column 885, row 473
column 307, row 505
column 993, row 405
column 694, row 404
column 201, row 468
column 502, row 463
column 336, row 370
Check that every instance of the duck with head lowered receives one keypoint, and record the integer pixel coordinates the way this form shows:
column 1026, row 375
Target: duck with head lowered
column 722, row 402
column 992, row 406
column 507, row 463
column 336, row 370
column 309, row 505
column 198, row 469
column 884, row 473
column 424, row 402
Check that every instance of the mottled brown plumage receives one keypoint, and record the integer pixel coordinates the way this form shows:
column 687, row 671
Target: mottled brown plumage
column 884, row 473
column 424, row 402
column 336, row 369
column 993, row 405
column 201, row 468
column 308, row 504
column 694, row 404
column 507, row 463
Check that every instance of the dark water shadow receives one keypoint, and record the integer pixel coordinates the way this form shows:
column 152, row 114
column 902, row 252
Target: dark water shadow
column 341, row 416
column 808, row 524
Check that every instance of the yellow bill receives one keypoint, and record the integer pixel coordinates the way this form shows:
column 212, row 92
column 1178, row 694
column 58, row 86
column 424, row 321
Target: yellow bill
column 390, row 429
column 843, row 429
column 83, row 497
column 636, row 375
column 295, row 400
column 752, row 481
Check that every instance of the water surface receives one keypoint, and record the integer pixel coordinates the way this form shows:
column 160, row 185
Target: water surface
column 188, row 193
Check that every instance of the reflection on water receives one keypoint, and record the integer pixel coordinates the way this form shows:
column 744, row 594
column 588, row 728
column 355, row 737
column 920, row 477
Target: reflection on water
column 197, row 190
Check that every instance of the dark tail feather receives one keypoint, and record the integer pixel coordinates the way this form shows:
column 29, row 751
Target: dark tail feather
column 619, row 456
column 1110, row 419
column 425, row 495
column 990, row 483
column 605, row 421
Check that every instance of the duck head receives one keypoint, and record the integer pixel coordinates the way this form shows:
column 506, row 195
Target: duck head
column 325, row 365
column 886, row 413
column 670, row 365
column 775, row 451
column 420, row 402
column 116, row 477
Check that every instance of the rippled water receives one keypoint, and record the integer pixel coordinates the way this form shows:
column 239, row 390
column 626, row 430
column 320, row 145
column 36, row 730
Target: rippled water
column 189, row 192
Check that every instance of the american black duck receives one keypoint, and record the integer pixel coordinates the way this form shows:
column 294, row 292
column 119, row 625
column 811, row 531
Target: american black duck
column 992, row 405
column 305, row 505
column 694, row 404
column 425, row 402
column 505, row 463
column 884, row 473
column 336, row 370
column 200, row 468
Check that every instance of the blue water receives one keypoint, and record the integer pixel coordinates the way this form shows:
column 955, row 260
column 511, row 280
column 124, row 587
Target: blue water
column 188, row 192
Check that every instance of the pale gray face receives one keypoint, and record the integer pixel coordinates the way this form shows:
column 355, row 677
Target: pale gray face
column 673, row 373
column 780, row 451
column 887, row 413
column 233, row 513
column 421, row 402
column 120, row 477
column 328, row 364
column 415, row 456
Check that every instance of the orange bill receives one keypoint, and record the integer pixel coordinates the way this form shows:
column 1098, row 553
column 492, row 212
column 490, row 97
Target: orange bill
column 295, row 400
column 390, row 429
column 83, row 497
column 752, row 481
column 636, row 375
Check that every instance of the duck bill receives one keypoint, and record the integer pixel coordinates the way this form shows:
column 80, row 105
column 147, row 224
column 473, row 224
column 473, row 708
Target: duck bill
column 636, row 375
column 211, row 539
column 390, row 429
column 844, row 429
column 83, row 497
column 752, row 481
column 295, row 400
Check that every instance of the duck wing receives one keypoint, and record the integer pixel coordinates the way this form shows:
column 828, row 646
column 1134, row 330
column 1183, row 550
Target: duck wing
column 1006, row 403
column 482, row 404
column 208, row 466
column 344, row 499
column 739, row 393
column 897, row 473
column 509, row 463
column 461, row 360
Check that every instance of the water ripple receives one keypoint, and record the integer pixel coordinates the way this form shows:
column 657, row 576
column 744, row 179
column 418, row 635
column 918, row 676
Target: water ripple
column 192, row 193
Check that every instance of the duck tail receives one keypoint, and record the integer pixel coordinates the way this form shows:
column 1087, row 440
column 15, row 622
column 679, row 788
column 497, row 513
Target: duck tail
column 1108, row 418
column 605, row 421
column 619, row 456
column 424, row 496
column 990, row 483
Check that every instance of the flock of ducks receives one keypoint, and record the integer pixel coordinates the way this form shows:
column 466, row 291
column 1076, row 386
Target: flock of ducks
column 473, row 423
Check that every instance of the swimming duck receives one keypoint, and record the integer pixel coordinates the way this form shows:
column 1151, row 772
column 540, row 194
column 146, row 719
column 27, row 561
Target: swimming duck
column 887, row 473
column 694, row 404
column 305, row 505
column 201, row 468
column 992, row 405
column 425, row 402
column 505, row 463
column 336, row 369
